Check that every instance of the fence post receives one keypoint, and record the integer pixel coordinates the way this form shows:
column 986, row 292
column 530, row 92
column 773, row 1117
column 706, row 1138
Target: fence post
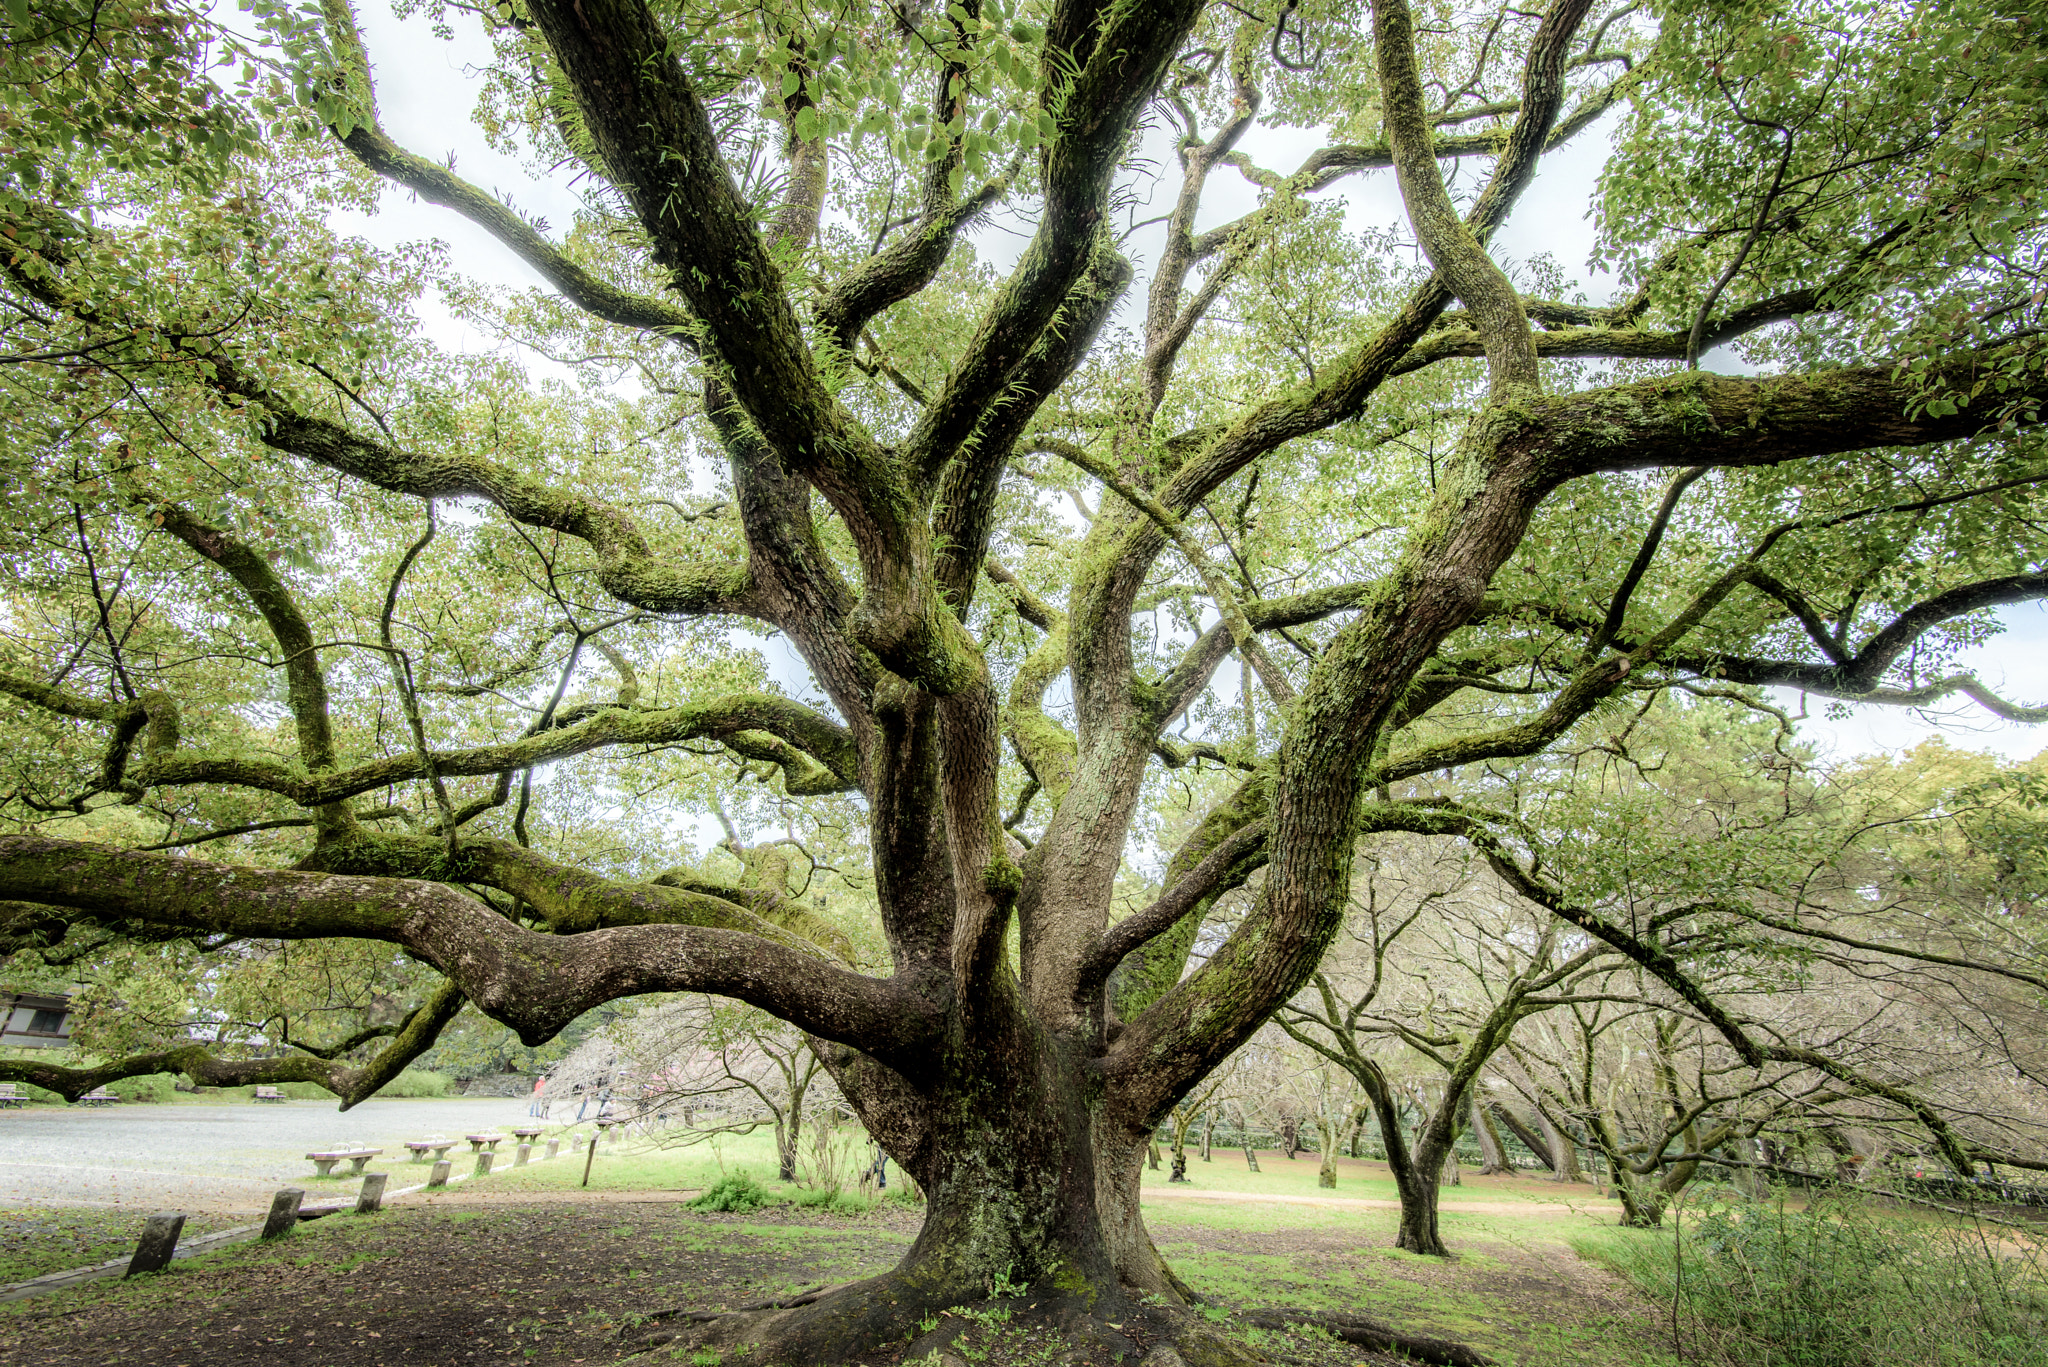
column 284, row 1213
column 158, row 1242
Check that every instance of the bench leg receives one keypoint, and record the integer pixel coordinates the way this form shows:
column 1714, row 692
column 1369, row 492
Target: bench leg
column 357, row 1170
column 326, row 1165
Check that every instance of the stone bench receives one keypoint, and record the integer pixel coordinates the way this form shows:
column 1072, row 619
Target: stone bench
column 10, row 1095
column 421, row 1147
column 478, row 1143
column 98, row 1096
column 326, row 1159
column 526, row 1134
column 269, row 1094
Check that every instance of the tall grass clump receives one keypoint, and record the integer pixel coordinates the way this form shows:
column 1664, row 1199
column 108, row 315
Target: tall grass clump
column 833, row 1200
column 1838, row 1285
column 736, row 1192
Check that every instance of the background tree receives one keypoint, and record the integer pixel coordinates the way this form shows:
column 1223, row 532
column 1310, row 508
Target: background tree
column 1442, row 518
column 1452, row 992
column 696, row 1068
column 1198, row 1107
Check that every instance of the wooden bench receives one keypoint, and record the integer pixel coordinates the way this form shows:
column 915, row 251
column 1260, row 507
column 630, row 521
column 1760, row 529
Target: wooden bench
column 269, row 1094
column 420, row 1148
column 98, row 1096
column 10, row 1095
column 480, row 1142
column 326, row 1159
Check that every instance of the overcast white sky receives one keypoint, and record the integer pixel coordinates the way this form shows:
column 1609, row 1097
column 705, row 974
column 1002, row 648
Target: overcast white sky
column 426, row 88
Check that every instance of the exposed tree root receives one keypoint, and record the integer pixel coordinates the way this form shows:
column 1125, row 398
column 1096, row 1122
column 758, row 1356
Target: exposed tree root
column 1368, row 1333
column 891, row 1319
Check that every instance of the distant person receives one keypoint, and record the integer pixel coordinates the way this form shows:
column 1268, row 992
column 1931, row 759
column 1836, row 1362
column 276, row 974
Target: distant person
column 539, row 1107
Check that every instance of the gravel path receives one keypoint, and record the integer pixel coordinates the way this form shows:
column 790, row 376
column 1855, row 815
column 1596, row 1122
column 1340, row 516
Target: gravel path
column 227, row 1158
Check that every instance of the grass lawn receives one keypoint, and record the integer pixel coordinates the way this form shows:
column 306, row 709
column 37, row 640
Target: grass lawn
column 35, row 1240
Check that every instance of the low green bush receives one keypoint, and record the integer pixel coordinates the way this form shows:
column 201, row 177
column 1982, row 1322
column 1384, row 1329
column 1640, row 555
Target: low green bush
column 836, row 1201
column 1837, row 1285
column 154, row 1087
column 737, row 1192
column 416, row 1082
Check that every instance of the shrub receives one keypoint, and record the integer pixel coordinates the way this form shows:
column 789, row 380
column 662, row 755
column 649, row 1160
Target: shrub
column 736, row 1191
column 417, row 1082
column 1838, row 1286
column 154, row 1087
column 833, row 1200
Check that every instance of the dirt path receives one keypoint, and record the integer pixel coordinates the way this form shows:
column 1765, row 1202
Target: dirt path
column 578, row 1196
column 1368, row 1203
column 573, row 1197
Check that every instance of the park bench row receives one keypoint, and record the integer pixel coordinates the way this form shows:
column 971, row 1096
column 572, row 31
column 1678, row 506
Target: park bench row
column 11, row 1095
column 483, row 1145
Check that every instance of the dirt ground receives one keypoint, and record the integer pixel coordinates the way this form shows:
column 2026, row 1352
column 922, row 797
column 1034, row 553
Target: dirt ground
column 552, row 1281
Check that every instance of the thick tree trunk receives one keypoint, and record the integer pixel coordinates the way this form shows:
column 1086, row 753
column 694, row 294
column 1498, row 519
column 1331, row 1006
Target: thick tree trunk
column 1414, row 1173
column 1138, row 1264
column 1416, row 1180
column 1026, row 1185
column 1491, row 1149
column 785, row 1147
column 1564, row 1155
column 1531, row 1139
column 1326, row 1136
column 1642, row 1201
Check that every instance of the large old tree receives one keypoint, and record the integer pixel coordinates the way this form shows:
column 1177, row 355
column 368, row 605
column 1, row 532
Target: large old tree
column 298, row 608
